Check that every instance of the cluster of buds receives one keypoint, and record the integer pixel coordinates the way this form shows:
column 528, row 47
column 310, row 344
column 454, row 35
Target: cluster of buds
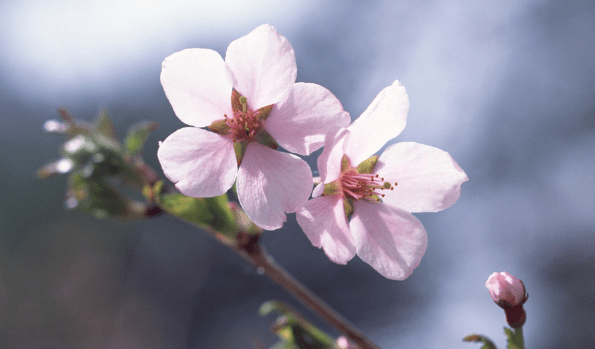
column 509, row 293
column 96, row 161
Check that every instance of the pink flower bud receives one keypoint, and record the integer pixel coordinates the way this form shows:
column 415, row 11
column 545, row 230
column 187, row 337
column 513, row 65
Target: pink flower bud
column 510, row 294
column 343, row 343
column 504, row 287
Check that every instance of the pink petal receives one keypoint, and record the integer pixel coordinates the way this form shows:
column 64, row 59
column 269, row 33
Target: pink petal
column 429, row 180
column 201, row 163
column 261, row 66
column 318, row 190
column 300, row 123
column 391, row 240
column 384, row 119
column 271, row 183
column 195, row 84
column 505, row 287
column 323, row 220
column 329, row 161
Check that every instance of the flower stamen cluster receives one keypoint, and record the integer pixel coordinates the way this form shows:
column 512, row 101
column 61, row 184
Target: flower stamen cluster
column 357, row 186
column 357, row 183
column 244, row 125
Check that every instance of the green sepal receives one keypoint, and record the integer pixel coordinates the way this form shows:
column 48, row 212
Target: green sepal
column 235, row 100
column 213, row 213
column 220, row 127
column 105, row 126
column 263, row 113
column 294, row 330
column 264, row 138
column 137, row 136
column 367, row 166
column 348, row 206
column 240, row 150
column 487, row 344
column 345, row 163
column 332, row 188
column 374, row 198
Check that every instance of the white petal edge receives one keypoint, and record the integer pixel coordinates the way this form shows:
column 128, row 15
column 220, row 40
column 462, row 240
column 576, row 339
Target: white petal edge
column 382, row 121
column 271, row 183
column 261, row 66
column 323, row 221
column 199, row 162
column 195, row 84
column 300, row 123
column 390, row 240
column 429, row 180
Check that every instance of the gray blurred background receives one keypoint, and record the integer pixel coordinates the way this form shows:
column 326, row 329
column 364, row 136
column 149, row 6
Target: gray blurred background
column 506, row 87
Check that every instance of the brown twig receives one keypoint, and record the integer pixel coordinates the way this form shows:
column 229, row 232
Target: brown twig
column 255, row 254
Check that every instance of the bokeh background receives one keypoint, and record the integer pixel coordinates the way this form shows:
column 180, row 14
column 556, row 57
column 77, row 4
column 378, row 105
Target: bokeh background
column 506, row 87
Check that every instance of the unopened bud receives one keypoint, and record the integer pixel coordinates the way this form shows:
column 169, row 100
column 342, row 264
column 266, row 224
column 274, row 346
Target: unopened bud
column 55, row 126
column 343, row 343
column 509, row 293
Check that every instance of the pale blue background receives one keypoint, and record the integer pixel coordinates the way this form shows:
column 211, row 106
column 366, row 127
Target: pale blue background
column 506, row 87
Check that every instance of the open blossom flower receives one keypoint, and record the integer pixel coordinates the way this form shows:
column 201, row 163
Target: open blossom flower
column 249, row 104
column 363, row 205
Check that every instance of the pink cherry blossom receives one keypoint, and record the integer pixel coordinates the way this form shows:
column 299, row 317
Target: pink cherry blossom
column 363, row 205
column 239, row 110
column 506, row 288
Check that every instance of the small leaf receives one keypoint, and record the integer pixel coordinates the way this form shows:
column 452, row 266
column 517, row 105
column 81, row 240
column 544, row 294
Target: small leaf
column 66, row 116
column 224, row 219
column 294, row 329
column 195, row 210
column 213, row 213
column 105, row 126
column 137, row 135
column 487, row 344
column 94, row 196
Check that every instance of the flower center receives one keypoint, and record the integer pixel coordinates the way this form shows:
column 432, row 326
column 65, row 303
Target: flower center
column 244, row 126
column 357, row 183
column 245, row 123
column 357, row 186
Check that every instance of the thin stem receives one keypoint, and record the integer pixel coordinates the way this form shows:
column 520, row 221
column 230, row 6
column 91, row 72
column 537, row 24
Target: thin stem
column 248, row 248
column 255, row 254
column 252, row 252
column 519, row 340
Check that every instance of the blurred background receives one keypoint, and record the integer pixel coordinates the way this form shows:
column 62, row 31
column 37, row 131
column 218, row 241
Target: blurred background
column 506, row 87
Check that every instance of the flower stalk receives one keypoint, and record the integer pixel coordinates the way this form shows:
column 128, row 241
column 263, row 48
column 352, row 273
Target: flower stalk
column 245, row 243
column 257, row 256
